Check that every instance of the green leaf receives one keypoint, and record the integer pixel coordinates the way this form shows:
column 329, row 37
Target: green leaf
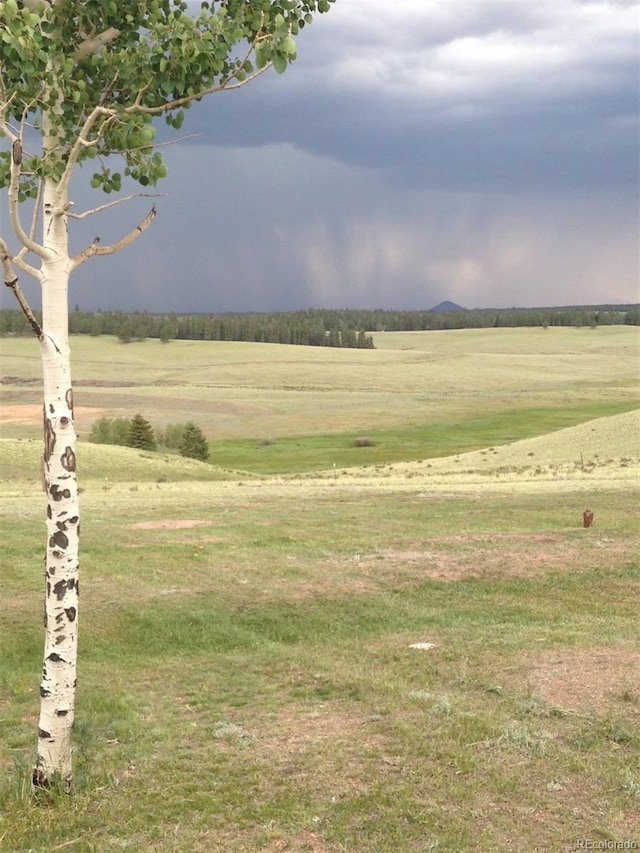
column 279, row 63
column 288, row 46
column 262, row 57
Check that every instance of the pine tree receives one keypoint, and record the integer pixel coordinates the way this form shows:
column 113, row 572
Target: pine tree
column 194, row 443
column 141, row 434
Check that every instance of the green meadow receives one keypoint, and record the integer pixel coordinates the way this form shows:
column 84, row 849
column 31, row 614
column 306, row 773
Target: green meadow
column 320, row 644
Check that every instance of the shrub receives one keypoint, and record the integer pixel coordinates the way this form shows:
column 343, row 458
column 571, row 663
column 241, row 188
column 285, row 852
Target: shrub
column 171, row 436
column 364, row 442
column 110, row 431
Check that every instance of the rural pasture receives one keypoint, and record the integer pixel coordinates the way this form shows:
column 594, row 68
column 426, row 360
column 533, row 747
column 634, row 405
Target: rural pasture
column 324, row 646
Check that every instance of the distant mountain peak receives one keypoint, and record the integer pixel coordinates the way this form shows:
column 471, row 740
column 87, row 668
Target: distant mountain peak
column 447, row 306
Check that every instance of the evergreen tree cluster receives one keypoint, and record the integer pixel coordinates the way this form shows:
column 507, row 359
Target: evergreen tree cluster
column 320, row 327
column 186, row 439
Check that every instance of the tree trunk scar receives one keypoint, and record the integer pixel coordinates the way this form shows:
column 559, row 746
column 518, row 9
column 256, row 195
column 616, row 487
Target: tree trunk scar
column 54, row 344
column 58, row 494
column 43, row 734
column 69, row 399
column 68, row 459
column 49, row 439
column 59, row 539
column 60, row 590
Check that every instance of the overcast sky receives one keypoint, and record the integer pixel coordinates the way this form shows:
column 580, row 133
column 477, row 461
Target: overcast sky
column 482, row 151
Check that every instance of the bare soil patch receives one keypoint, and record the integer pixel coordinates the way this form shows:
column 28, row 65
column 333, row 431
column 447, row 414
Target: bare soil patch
column 584, row 679
column 497, row 556
column 29, row 413
column 169, row 524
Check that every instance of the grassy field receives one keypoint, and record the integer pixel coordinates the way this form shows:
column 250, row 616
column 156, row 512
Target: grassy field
column 249, row 679
column 280, row 409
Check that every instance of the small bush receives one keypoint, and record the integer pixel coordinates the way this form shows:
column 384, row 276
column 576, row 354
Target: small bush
column 171, row 437
column 364, row 442
column 110, row 431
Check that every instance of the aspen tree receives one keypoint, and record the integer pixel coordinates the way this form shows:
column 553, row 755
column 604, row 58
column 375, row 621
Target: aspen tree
column 81, row 83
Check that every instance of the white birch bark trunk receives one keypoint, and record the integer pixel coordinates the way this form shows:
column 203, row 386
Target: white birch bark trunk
column 58, row 685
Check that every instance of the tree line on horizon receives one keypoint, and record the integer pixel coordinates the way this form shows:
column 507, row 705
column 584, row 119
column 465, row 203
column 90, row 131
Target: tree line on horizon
column 351, row 328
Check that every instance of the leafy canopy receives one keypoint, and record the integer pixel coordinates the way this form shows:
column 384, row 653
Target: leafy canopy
column 92, row 74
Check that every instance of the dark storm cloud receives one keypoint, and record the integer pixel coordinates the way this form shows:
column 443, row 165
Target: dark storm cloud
column 484, row 151
column 471, row 94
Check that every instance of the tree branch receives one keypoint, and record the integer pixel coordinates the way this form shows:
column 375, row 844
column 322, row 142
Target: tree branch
column 5, row 103
column 14, row 189
column 36, row 212
column 96, row 249
column 109, row 204
column 26, row 267
column 82, row 142
column 96, row 43
column 11, row 281
column 7, row 263
column 225, row 85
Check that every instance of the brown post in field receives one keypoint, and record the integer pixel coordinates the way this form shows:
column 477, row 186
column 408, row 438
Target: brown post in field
column 587, row 518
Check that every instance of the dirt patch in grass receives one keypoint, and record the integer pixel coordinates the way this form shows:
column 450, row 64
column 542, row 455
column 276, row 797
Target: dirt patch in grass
column 585, row 679
column 25, row 413
column 297, row 728
column 496, row 556
column 298, row 738
column 169, row 524
column 305, row 841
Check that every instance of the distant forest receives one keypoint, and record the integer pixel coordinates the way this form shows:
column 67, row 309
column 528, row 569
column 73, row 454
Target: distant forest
column 320, row 327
